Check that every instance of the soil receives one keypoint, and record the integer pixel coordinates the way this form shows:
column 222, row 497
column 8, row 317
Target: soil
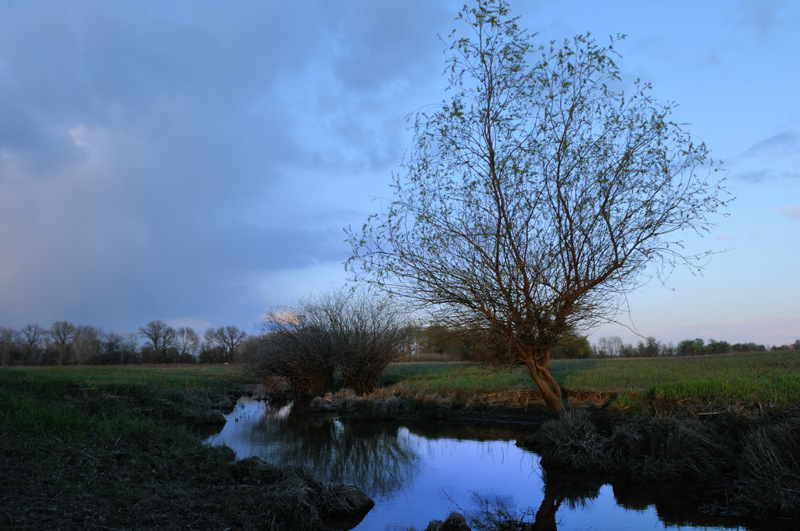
column 170, row 481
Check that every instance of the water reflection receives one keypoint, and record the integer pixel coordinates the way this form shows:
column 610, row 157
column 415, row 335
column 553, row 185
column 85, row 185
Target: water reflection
column 420, row 472
column 377, row 457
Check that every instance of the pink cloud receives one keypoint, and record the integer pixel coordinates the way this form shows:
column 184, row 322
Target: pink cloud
column 793, row 211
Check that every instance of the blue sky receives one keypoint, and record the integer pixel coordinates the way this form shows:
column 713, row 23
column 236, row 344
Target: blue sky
column 197, row 161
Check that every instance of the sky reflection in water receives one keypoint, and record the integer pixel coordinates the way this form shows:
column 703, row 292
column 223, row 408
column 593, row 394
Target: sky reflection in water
column 421, row 472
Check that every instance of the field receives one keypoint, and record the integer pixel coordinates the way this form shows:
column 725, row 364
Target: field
column 760, row 379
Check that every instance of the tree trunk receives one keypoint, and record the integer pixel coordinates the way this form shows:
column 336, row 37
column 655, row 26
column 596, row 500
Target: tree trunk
column 548, row 387
column 546, row 515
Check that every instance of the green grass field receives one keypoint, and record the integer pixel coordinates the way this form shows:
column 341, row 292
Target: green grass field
column 769, row 378
column 32, row 398
column 56, row 400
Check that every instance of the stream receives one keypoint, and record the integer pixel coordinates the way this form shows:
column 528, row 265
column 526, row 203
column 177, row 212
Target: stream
column 422, row 471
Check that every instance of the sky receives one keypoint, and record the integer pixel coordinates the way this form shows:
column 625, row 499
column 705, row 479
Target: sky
column 198, row 161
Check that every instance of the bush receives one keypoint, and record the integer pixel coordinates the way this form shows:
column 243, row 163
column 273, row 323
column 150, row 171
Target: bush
column 349, row 332
column 572, row 347
column 303, row 356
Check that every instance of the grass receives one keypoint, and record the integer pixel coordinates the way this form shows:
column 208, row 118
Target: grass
column 81, row 404
column 185, row 377
column 766, row 378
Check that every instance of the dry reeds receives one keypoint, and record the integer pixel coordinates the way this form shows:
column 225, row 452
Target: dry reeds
column 572, row 442
column 644, row 449
column 755, row 463
column 768, row 480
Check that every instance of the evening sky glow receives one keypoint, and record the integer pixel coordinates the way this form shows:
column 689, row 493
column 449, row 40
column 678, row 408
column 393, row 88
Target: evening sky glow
column 198, row 161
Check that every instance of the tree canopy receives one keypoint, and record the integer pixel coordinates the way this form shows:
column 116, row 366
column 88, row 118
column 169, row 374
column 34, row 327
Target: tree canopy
column 540, row 192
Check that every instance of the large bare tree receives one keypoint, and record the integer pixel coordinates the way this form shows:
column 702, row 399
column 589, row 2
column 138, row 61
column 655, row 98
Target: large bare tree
column 161, row 336
column 537, row 195
column 62, row 336
column 229, row 338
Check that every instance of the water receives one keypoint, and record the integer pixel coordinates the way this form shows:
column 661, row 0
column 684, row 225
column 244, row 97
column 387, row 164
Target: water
column 418, row 472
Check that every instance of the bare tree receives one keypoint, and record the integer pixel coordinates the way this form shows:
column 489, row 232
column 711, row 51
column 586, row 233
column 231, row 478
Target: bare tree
column 609, row 346
column 62, row 334
column 352, row 332
column 228, row 338
column 537, row 195
column 161, row 337
column 112, row 347
column 130, row 348
column 210, row 349
column 298, row 350
column 32, row 343
column 87, row 344
column 368, row 334
column 188, row 342
column 8, row 345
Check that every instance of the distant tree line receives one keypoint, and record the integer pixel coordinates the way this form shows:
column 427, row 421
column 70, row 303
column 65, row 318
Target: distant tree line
column 649, row 347
column 462, row 344
column 65, row 343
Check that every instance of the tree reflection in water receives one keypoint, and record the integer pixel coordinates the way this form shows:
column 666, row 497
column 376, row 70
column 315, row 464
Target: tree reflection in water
column 499, row 512
column 672, row 503
column 378, row 457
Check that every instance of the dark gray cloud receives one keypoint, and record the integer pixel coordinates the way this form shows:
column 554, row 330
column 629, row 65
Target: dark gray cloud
column 155, row 154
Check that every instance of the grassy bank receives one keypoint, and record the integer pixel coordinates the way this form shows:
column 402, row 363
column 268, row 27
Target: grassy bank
column 770, row 379
column 118, row 447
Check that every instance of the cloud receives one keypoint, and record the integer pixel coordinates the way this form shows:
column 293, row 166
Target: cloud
column 756, row 176
column 155, row 156
column 783, row 143
column 792, row 211
column 762, row 16
column 196, row 324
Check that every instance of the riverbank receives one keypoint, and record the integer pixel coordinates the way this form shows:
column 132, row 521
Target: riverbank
column 728, row 436
column 741, row 462
column 121, row 448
